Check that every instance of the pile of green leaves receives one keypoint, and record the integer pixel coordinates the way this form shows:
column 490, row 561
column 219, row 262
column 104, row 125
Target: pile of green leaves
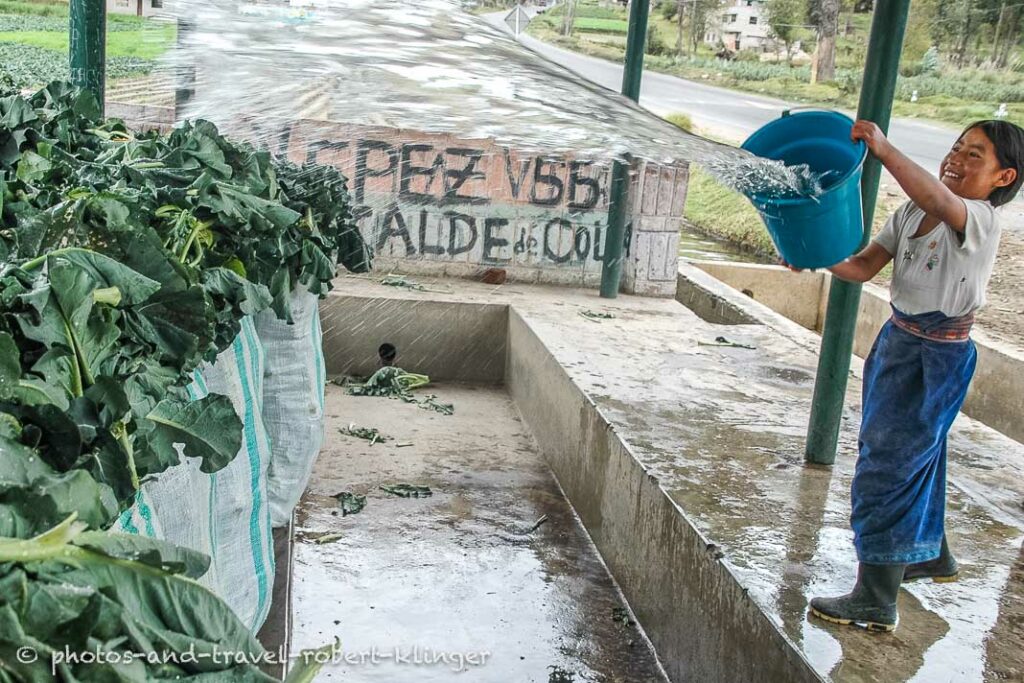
column 126, row 261
column 391, row 382
column 93, row 369
column 133, row 603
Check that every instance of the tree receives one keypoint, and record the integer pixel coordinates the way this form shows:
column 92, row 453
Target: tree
column 680, row 6
column 825, row 17
column 785, row 18
column 703, row 11
column 930, row 61
column 569, row 17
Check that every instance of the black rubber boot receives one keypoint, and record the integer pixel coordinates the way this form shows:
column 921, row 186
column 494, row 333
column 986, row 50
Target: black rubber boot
column 942, row 569
column 871, row 605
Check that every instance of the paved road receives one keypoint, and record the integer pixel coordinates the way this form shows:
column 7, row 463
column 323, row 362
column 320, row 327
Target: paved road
column 735, row 115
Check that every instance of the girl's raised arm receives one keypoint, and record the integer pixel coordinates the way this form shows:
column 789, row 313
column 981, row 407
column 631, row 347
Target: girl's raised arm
column 923, row 188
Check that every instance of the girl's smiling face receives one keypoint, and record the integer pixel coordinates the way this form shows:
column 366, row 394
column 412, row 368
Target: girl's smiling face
column 971, row 169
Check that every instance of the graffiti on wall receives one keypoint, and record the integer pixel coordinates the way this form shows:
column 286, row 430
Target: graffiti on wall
column 423, row 198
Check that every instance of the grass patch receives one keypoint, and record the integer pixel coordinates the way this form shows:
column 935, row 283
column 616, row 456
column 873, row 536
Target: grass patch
column 681, row 121
column 601, row 25
column 39, row 9
column 719, row 212
column 148, row 43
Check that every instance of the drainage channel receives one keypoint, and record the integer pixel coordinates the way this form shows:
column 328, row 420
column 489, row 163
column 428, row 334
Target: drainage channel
column 491, row 574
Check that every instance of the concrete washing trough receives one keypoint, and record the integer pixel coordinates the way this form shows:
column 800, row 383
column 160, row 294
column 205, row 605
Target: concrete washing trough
column 668, row 470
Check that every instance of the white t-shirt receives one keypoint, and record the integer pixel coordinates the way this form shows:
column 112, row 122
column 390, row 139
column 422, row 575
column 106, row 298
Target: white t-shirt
column 944, row 270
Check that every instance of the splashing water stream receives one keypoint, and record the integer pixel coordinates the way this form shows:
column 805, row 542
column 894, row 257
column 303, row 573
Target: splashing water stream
column 430, row 66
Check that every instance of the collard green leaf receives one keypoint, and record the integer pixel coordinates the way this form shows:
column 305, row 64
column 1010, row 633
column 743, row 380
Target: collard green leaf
column 35, row 497
column 209, row 429
column 148, row 551
column 10, row 365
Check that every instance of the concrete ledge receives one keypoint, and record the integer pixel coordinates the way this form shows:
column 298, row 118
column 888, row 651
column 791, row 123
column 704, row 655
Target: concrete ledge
column 996, row 397
column 700, row 619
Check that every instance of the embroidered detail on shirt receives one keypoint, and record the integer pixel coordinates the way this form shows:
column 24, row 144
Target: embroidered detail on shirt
column 933, row 261
column 908, row 255
column 934, row 244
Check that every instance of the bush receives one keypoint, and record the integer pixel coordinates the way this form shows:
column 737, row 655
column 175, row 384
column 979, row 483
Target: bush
column 669, row 9
column 747, row 56
column 655, row 44
column 681, row 121
column 930, row 61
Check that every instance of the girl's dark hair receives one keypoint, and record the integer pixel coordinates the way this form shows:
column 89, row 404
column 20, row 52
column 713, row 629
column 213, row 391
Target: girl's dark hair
column 1008, row 139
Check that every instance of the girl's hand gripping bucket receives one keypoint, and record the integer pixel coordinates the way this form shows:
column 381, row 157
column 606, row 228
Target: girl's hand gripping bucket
column 814, row 232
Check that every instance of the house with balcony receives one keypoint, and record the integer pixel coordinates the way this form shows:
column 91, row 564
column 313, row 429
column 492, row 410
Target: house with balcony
column 141, row 8
column 742, row 25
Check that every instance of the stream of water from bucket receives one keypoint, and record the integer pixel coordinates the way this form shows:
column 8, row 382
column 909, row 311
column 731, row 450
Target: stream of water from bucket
column 431, row 67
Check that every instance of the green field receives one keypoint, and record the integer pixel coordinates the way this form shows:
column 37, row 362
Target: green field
column 146, row 43
column 34, row 43
column 602, row 25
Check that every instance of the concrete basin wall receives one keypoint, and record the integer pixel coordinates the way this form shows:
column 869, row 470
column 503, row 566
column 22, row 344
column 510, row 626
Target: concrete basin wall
column 700, row 620
column 447, row 341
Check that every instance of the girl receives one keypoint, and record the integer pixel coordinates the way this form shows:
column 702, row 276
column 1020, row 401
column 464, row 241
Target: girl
column 943, row 243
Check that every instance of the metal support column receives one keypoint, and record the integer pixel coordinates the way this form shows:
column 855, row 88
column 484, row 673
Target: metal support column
column 876, row 96
column 632, row 74
column 89, row 46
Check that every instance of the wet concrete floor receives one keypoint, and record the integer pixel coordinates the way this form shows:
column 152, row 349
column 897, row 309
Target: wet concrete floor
column 462, row 572
column 723, row 431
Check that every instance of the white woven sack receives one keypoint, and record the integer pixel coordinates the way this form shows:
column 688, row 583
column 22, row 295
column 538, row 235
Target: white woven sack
column 243, row 548
column 293, row 401
column 175, row 506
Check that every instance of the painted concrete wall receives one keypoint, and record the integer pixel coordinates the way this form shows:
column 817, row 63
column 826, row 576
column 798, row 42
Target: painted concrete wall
column 996, row 397
column 434, row 204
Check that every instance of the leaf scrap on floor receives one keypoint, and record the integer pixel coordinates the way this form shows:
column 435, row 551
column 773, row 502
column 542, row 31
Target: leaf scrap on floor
column 407, row 490
column 372, row 435
column 391, row 382
column 350, row 503
column 596, row 316
column 620, row 615
column 327, row 538
column 402, row 282
column 722, row 341
column 538, row 524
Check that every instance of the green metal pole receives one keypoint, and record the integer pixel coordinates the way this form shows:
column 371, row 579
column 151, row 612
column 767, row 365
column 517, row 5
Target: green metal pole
column 632, row 74
column 88, row 46
column 876, row 95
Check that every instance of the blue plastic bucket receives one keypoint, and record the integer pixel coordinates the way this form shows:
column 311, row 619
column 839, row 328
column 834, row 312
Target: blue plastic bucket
column 824, row 230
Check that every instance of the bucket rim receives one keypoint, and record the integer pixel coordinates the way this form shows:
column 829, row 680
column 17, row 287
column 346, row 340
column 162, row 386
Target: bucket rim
column 843, row 181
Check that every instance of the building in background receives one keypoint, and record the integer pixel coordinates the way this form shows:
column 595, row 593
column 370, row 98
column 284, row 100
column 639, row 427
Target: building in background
column 742, row 25
column 141, row 8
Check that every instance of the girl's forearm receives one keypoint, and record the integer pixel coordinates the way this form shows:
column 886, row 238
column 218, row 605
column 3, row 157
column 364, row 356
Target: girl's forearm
column 924, row 189
column 863, row 266
column 851, row 270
